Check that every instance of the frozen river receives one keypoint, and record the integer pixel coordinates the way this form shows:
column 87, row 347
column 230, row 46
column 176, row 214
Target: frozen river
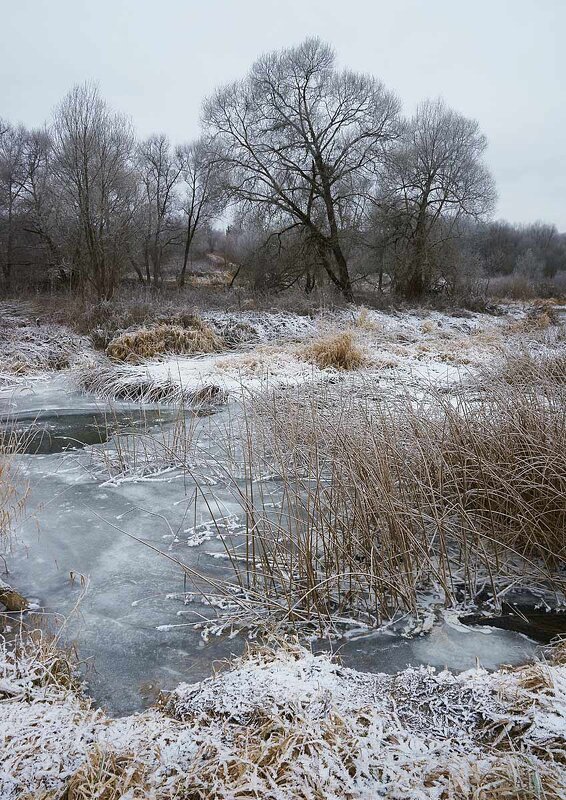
column 75, row 556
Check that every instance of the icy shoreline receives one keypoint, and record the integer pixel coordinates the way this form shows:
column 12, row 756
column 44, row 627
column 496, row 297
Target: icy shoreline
column 281, row 723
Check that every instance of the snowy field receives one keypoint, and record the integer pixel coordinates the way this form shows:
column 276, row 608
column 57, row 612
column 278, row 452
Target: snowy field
column 402, row 348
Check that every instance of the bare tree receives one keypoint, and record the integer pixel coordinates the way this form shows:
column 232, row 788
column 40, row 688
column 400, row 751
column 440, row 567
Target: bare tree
column 201, row 194
column 42, row 205
column 94, row 150
column 435, row 177
column 12, row 179
column 301, row 140
column 159, row 172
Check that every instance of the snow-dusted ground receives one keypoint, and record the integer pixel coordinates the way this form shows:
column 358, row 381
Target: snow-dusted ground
column 408, row 347
column 30, row 348
column 284, row 724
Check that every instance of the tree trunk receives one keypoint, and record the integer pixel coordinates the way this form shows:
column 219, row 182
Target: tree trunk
column 188, row 242
column 343, row 274
column 342, row 278
column 7, row 266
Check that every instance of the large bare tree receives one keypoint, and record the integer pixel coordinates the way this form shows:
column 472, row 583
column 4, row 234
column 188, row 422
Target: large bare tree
column 435, row 177
column 94, row 149
column 301, row 140
column 44, row 211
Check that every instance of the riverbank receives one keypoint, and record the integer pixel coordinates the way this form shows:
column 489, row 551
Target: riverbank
column 281, row 723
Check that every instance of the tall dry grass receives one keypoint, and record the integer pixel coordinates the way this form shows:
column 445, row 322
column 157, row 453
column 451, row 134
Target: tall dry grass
column 335, row 351
column 455, row 497
column 13, row 490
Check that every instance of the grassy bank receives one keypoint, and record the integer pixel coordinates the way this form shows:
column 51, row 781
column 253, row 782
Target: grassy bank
column 281, row 723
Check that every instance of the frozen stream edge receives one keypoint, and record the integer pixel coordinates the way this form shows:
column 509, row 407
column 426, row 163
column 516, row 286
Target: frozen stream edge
column 131, row 629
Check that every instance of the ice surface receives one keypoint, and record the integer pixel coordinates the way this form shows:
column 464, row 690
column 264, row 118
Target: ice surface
column 131, row 626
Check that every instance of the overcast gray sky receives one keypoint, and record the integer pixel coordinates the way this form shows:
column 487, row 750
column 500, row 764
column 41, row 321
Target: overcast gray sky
column 501, row 61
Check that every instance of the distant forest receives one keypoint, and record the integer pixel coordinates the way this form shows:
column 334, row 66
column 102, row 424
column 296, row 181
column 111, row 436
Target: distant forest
column 324, row 183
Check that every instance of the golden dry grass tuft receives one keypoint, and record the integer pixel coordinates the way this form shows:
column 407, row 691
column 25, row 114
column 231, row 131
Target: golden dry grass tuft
column 337, row 351
column 108, row 775
column 151, row 342
column 364, row 320
column 428, row 326
column 538, row 318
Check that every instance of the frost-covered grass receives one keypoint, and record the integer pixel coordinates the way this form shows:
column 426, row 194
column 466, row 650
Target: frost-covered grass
column 268, row 350
column 281, row 724
column 30, row 347
column 397, row 488
column 159, row 340
column 12, row 490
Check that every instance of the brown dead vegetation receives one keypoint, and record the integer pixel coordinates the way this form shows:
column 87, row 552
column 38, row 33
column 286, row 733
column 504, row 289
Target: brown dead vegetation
column 336, row 351
column 108, row 775
column 159, row 340
column 462, row 493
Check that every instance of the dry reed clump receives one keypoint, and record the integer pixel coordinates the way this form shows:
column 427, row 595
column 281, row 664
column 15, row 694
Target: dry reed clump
column 428, row 326
column 117, row 382
column 160, row 340
column 500, row 462
column 364, row 320
column 539, row 317
column 10, row 502
column 526, row 369
column 453, row 496
column 12, row 494
column 337, row 351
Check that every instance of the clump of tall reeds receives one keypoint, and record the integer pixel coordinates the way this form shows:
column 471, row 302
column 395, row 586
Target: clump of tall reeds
column 147, row 449
column 526, row 369
column 456, row 496
column 12, row 492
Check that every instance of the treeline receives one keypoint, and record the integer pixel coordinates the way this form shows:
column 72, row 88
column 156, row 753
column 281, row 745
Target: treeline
column 323, row 179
